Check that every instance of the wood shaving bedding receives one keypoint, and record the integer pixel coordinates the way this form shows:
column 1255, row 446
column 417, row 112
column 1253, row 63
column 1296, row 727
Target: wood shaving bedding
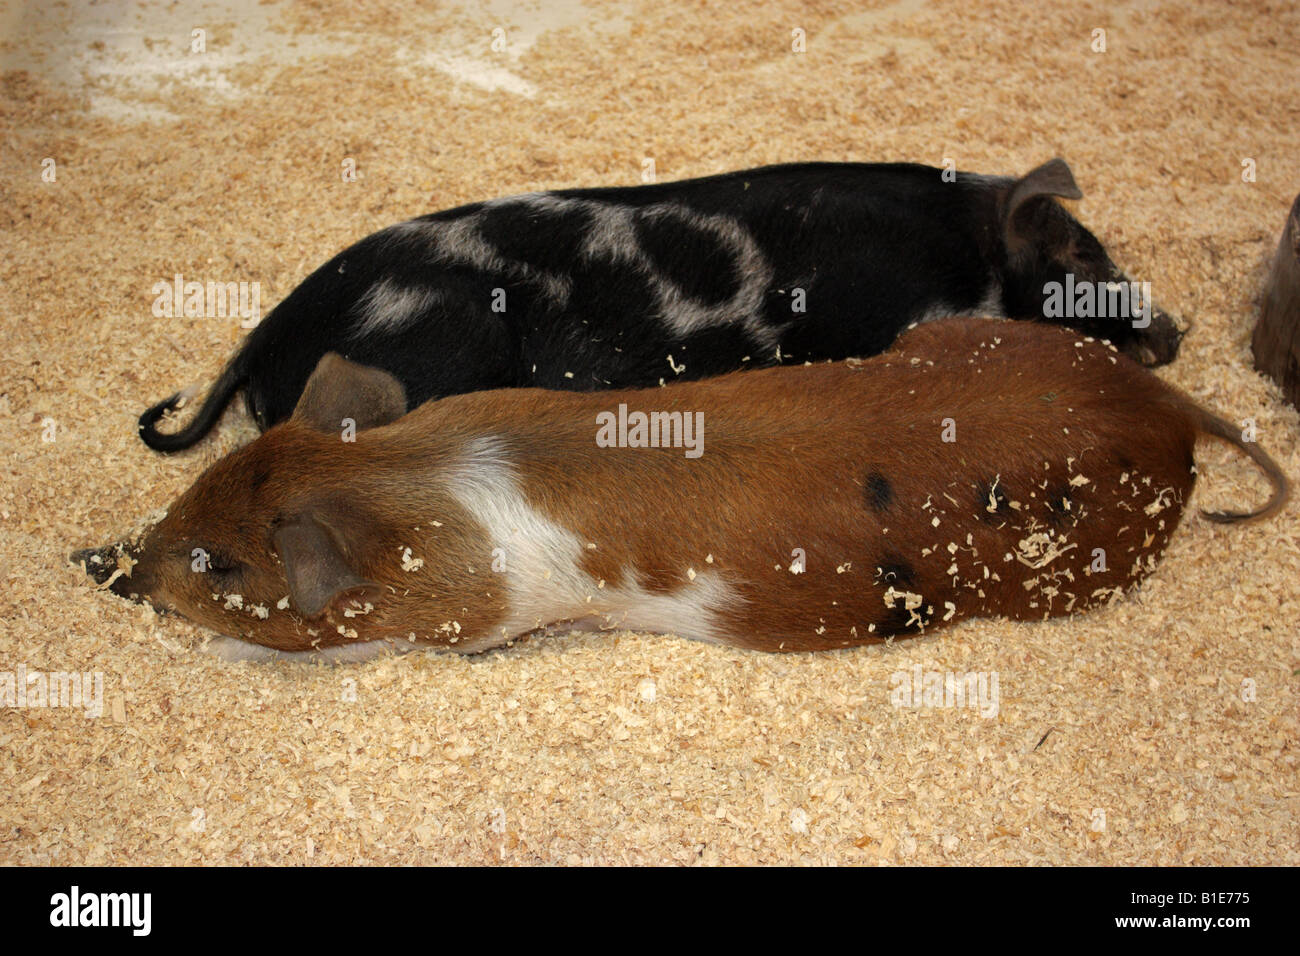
column 1173, row 712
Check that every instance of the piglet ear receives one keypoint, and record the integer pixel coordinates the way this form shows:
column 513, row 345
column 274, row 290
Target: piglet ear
column 317, row 569
column 1053, row 178
column 340, row 390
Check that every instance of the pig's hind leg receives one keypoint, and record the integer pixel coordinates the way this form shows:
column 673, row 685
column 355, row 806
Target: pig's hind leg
column 450, row 344
column 457, row 344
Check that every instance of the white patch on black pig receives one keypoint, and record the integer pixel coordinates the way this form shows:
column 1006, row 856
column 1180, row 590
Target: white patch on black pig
column 387, row 306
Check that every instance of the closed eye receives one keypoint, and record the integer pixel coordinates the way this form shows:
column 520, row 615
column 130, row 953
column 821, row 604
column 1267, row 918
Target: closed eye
column 212, row 561
column 221, row 563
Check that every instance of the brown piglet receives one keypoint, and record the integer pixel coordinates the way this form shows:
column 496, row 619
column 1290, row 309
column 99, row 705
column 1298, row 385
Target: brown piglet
column 978, row 468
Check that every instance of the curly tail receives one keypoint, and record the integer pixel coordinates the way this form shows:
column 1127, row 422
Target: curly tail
column 231, row 380
column 1212, row 424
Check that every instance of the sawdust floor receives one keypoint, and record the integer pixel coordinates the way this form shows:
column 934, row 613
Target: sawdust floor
column 226, row 165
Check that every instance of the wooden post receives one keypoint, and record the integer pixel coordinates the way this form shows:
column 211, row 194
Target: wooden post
column 1276, row 341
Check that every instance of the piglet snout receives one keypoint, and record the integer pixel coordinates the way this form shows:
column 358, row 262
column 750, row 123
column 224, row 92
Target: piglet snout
column 1159, row 342
column 102, row 563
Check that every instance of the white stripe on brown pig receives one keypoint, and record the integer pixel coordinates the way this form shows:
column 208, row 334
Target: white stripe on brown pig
column 820, row 506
